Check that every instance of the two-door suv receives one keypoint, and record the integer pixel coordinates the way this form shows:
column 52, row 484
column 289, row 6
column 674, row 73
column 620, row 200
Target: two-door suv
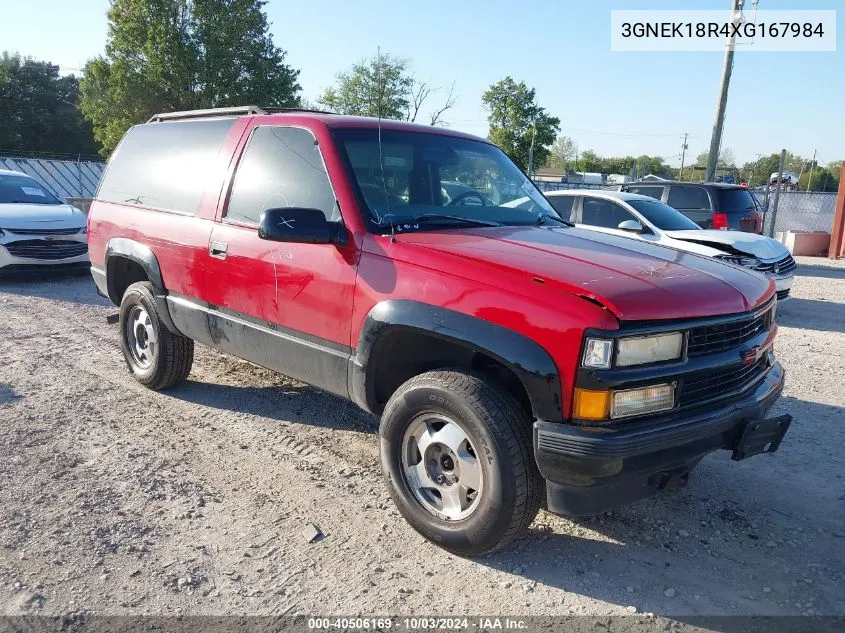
column 515, row 360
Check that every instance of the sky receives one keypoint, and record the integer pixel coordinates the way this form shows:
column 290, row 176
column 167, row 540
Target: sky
column 615, row 103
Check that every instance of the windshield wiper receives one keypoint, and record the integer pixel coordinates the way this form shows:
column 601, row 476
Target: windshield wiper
column 436, row 218
column 543, row 217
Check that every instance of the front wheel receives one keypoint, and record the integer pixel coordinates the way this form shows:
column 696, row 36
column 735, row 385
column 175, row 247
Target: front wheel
column 457, row 455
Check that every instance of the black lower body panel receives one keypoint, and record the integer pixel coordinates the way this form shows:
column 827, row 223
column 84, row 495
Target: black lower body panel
column 589, row 471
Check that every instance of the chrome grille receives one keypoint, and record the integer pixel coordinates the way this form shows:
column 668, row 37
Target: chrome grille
column 784, row 265
column 46, row 249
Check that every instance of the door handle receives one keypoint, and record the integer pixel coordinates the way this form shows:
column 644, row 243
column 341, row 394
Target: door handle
column 218, row 249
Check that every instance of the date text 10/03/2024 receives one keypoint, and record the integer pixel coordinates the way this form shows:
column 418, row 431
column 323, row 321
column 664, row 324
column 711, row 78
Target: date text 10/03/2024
column 417, row 623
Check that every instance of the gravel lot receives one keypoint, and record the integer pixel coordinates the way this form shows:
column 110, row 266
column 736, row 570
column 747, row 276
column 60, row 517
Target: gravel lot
column 118, row 500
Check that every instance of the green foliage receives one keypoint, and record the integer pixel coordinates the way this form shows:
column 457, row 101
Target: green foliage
column 38, row 109
column 635, row 166
column 383, row 86
column 380, row 86
column 726, row 158
column 561, row 152
column 822, row 180
column 164, row 55
column 513, row 115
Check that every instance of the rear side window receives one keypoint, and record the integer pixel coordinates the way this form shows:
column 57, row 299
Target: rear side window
column 165, row 165
column 735, row 201
column 563, row 205
column 605, row 213
column 689, row 198
column 651, row 192
column 281, row 167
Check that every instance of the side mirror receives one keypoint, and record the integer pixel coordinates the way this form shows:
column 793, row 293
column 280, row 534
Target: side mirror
column 295, row 224
column 631, row 225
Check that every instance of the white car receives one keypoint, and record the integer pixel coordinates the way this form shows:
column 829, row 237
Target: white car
column 644, row 218
column 38, row 232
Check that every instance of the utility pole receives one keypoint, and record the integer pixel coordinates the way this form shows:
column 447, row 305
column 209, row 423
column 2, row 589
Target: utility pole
column 754, row 171
column 777, row 194
column 812, row 164
column 727, row 69
column 684, row 149
column 531, row 149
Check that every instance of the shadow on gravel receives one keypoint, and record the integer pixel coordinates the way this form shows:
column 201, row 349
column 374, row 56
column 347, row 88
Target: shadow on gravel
column 73, row 287
column 732, row 524
column 826, row 272
column 812, row 314
column 7, row 394
column 285, row 403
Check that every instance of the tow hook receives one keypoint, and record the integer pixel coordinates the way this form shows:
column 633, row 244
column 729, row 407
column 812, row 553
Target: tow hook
column 673, row 480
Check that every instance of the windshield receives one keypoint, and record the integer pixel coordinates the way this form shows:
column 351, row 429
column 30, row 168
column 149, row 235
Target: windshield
column 735, row 200
column 16, row 189
column 663, row 216
column 414, row 175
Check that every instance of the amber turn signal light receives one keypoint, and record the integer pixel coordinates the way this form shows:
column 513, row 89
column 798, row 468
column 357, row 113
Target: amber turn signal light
column 591, row 405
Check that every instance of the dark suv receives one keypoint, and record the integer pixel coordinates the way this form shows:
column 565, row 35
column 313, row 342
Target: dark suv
column 711, row 205
column 514, row 359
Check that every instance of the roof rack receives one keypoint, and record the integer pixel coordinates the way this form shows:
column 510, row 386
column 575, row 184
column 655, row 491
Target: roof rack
column 234, row 111
column 208, row 112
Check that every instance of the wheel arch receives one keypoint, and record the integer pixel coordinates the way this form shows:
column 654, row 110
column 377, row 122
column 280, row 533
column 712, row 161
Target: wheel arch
column 128, row 261
column 427, row 337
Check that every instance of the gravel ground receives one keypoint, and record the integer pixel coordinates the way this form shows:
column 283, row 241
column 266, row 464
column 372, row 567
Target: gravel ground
column 118, row 500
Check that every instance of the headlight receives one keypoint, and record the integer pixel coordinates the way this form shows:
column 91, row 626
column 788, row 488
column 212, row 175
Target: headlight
column 598, row 353
column 747, row 262
column 639, row 350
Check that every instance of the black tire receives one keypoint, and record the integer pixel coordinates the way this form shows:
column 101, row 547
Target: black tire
column 499, row 430
column 171, row 361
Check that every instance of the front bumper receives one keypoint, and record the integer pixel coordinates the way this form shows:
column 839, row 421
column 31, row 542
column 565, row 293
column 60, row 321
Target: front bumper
column 783, row 284
column 589, row 470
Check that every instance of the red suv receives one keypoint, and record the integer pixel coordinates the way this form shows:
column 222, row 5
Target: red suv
column 515, row 360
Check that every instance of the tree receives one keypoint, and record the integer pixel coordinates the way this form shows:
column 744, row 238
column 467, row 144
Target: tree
column 823, row 180
column 179, row 55
column 589, row 161
column 726, row 158
column 515, row 118
column 38, row 109
column 561, row 152
column 384, row 86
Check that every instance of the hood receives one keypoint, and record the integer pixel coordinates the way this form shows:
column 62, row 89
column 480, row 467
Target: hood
column 759, row 246
column 31, row 216
column 637, row 281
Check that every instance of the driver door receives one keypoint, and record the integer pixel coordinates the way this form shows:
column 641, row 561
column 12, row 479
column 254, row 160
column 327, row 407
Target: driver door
column 283, row 305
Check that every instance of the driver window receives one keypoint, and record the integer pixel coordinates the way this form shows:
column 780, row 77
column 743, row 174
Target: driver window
column 280, row 167
column 604, row 213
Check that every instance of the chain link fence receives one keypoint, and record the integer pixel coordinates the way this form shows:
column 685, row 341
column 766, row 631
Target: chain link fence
column 798, row 211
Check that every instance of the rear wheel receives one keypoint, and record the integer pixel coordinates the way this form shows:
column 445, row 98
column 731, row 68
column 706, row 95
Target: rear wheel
column 457, row 456
column 157, row 357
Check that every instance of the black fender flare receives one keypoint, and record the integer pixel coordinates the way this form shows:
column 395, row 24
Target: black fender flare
column 144, row 257
column 526, row 358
